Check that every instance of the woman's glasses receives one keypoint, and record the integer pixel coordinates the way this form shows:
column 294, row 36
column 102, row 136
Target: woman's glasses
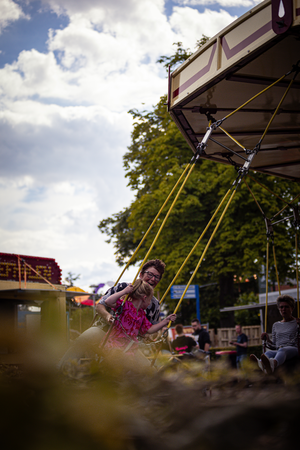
column 151, row 275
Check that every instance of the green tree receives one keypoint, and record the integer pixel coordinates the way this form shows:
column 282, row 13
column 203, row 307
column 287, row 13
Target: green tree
column 181, row 54
column 247, row 316
column 70, row 278
column 155, row 159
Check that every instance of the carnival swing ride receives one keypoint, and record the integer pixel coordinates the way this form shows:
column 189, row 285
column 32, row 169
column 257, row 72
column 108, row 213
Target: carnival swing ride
column 236, row 101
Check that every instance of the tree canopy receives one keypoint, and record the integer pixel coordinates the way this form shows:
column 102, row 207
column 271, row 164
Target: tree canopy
column 153, row 163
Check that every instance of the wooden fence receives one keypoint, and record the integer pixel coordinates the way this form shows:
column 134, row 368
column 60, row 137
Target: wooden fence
column 225, row 335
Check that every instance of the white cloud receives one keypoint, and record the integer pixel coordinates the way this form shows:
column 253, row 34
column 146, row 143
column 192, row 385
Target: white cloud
column 37, row 74
column 9, row 12
column 64, row 125
column 51, row 143
column 116, row 68
column 118, row 33
column 223, row 3
column 191, row 24
column 59, row 222
column 97, row 9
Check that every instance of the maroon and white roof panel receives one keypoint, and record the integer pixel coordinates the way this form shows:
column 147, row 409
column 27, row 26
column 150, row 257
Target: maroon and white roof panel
column 233, row 67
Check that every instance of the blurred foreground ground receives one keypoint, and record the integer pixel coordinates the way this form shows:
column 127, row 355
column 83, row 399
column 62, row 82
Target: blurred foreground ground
column 119, row 407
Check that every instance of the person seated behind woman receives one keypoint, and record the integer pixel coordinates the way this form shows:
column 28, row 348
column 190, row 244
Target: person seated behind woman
column 183, row 344
column 284, row 337
column 133, row 320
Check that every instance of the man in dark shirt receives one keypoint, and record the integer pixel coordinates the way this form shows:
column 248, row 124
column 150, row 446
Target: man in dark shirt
column 241, row 344
column 201, row 335
column 183, row 343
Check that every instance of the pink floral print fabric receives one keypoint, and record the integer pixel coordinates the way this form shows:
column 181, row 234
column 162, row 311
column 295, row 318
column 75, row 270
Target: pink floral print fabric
column 131, row 322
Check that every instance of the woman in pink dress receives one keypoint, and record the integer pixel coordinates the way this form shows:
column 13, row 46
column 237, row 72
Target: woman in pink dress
column 132, row 320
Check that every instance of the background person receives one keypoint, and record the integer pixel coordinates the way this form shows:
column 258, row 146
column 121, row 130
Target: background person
column 183, row 343
column 241, row 346
column 284, row 337
column 201, row 336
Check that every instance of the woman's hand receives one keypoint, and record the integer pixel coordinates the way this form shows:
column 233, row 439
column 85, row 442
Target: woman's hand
column 111, row 319
column 128, row 289
column 265, row 336
column 171, row 317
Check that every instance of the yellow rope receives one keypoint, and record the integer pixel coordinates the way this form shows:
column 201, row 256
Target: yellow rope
column 164, row 221
column 267, row 275
column 297, row 273
column 232, row 138
column 155, row 219
column 195, row 246
column 277, row 276
column 203, row 254
column 274, row 254
column 253, row 98
column 279, row 212
column 269, row 190
column 276, row 110
column 160, row 229
column 254, row 198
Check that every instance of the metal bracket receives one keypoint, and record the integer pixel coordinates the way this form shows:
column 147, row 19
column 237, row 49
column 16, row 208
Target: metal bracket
column 296, row 221
column 269, row 228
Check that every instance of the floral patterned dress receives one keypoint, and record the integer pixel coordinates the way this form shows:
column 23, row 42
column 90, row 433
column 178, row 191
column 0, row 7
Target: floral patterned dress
column 127, row 327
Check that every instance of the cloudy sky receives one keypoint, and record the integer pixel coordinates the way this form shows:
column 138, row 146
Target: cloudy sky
column 69, row 72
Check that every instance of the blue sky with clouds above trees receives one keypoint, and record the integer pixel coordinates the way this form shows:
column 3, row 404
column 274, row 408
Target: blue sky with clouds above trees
column 69, row 72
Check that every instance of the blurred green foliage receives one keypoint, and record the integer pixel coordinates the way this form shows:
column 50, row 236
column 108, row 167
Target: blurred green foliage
column 247, row 316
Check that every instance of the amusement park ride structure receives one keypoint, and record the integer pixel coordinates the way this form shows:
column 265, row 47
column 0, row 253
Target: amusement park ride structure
column 236, row 100
column 243, row 88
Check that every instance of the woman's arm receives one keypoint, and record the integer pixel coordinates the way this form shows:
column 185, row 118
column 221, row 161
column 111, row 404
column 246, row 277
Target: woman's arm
column 163, row 323
column 265, row 336
column 112, row 300
column 104, row 313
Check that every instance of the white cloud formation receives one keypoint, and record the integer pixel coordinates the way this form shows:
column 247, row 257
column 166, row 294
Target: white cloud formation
column 51, row 143
column 65, row 127
column 58, row 222
column 98, row 9
column 223, row 3
column 10, row 12
column 191, row 23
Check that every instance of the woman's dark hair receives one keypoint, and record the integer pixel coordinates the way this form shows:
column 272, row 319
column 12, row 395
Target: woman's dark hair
column 157, row 264
column 287, row 299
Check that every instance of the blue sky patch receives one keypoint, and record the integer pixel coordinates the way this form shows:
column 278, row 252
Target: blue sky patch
column 25, row 34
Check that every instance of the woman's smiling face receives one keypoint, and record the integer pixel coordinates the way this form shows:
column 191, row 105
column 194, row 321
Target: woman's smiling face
column 151, row 276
